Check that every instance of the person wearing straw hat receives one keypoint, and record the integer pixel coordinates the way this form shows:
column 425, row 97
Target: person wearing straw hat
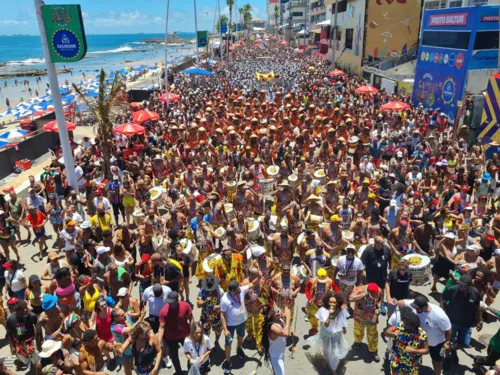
column 230, row 267
column 284, row 197
column 257, row 297
column 52, row 361
column 285, row 287
column 331, row 235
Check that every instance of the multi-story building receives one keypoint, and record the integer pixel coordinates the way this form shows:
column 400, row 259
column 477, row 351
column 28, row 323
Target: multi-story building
column 270, row 11
column 439, row 4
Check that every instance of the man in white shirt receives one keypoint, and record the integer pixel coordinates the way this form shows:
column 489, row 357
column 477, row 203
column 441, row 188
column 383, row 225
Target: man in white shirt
column 233, row 315
column 99, row 199
column 79, row 177
column 156, row 297
column 436, row 325
column 349, row 269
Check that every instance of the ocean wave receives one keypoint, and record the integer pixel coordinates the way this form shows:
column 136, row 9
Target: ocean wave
column 139, row 43
column 26, row 62
column 117, row 50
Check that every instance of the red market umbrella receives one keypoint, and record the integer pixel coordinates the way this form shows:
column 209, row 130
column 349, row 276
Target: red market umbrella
column 27, row 121
column 368, row 89
column 129, row 129
column 336, row 73
column 52, row 126
column 394, row 106
column 172, row 98
column 144, row 116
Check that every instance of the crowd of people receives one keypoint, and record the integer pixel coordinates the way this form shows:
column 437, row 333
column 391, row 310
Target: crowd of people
column 241, row 199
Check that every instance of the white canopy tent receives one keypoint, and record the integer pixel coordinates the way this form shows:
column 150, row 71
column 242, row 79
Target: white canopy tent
column 324, row 23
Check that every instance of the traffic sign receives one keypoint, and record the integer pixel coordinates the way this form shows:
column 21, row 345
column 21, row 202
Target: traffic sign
column 202, row 38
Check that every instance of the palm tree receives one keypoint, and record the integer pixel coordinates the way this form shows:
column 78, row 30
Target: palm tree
column 276, row 15
column 222, row 20
column 247, row 16
column 109, row 100
column 230, row 4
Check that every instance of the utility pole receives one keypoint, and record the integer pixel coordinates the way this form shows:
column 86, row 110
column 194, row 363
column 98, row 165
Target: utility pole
column 196, row 32
column 305, row 21
column 166, row 56
column 69, row 162
column 334, row 42
column 221, row 44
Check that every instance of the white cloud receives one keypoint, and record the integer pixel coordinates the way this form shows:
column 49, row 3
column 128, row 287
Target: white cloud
column 12, row 23
column 122, row 19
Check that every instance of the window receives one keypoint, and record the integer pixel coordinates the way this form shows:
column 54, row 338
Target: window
column 297, row 14
column 349, row 33
column 486, row 40
column 432, row 5
column 455, row 4
column 342, row 6
column 478, row 2
column 446, row 39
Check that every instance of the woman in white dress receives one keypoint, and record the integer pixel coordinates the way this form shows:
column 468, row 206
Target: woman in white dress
column 331, row 342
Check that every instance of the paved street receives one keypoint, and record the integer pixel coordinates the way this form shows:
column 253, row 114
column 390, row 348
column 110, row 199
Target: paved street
column 356, row 362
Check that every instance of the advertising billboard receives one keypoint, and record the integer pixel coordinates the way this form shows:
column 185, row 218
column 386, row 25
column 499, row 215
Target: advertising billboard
column 490, row 121
column 392, row 27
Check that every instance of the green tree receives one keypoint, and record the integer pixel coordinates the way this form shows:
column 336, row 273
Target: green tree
column 247, row 17
column 276, row 16
column 108, row 105
column 230, row 4
column 223, row 19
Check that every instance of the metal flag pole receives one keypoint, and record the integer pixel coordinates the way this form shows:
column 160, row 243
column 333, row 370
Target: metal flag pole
column 196, row 32
column 334, row 43
column 220, row 31
column 69, row 162
column 166, row 57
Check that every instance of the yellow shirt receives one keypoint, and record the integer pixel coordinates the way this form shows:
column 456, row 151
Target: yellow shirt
column 105, row 222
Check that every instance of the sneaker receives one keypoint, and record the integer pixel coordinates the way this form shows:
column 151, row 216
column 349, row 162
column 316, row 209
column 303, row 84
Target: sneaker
column 313, row 331
column 356, row 346
column 376, row 357
column 167, row 361
column 383, row 309
column 227, row 367
column 240, row 353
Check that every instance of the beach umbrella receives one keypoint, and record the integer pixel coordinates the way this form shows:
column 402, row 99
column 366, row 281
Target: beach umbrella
column 336, row 73
column 367, row 89
column 172, row 98
column 92, row 94
column 394, row 106
column 197, row 71
column 144, row 116
column 6, row 113
column 13, row 134
column 129, row 129
column 81, row 108
column 4, row 143
column 52, row 126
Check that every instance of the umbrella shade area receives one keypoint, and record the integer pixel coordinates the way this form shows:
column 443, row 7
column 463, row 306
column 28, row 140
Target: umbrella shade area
column 129, row 129
column 394, row 106
column 172, row 98
column 197, row 71
column 336, row 73
column 144, row 116
column 4, row 143
column 13, row 134
column 367, row 89
column 52, row 126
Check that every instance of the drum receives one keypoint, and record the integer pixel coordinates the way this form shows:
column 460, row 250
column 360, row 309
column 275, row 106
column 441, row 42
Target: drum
column 300, row 271
column 158, row 195
column 138, row 216
column 300, row 238
column 272, row 171
column 273, row 221
column 268, row 242
column 347, row 236
column 266, row 186
column 231, row 189
column 320, row 176
column 221, row 232
column 210, row 262
column 228, row 207
column 293, row 180
column 420, row 269
column 284, row 222
column 187, row 248
column 253, row 227
column 314, row 221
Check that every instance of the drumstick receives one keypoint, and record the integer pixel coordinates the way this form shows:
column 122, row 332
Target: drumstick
column 294, row 331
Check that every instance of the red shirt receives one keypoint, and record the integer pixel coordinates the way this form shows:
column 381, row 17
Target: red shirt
column 36, row 220
column 176, row 321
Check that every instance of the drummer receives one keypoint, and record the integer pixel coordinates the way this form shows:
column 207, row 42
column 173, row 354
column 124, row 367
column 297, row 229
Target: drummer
column 331, row 234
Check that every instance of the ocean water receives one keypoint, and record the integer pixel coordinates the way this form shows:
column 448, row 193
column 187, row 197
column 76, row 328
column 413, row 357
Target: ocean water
column 25, row 52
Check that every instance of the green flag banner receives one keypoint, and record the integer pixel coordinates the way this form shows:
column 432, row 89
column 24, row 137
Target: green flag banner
column 65, row 32
column 202, row 38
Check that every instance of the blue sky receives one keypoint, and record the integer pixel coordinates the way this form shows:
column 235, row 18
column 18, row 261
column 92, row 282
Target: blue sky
column 124, row 16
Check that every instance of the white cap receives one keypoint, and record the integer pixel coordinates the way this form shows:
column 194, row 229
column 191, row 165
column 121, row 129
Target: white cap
column 497, row 252
column 393, row 203
column 102, row 249
column 257, row 251
column 450, row 235
column 399, row 154
column 122, row 292
column 85, row 225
